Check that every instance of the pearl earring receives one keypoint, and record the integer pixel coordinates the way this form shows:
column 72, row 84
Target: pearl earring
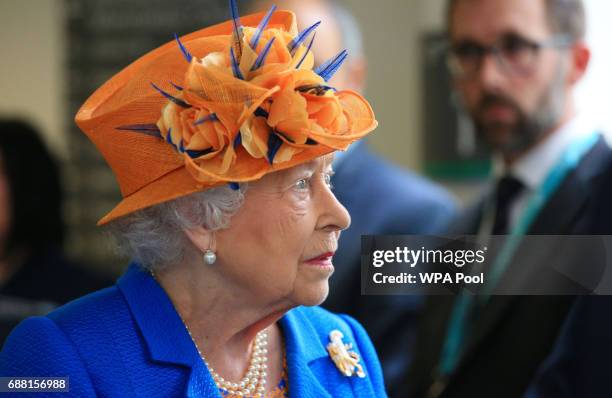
column 209, row 254
column 210, row 257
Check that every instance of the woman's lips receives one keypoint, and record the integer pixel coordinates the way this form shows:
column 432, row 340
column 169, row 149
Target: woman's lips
column 324, row 260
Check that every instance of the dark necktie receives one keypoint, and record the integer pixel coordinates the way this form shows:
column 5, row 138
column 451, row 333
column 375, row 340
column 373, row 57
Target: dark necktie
column 506, row 192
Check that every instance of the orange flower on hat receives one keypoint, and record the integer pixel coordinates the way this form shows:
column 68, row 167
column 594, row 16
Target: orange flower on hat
column 196, row 132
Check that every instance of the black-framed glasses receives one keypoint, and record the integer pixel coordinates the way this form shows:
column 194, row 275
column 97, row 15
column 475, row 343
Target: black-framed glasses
column 513, row 53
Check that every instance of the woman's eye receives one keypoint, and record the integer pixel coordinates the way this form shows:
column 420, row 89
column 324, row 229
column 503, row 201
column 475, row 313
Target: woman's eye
column 303, row 184
column 328, row 177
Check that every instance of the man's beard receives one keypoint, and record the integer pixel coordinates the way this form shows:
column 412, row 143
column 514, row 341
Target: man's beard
column 511, row 139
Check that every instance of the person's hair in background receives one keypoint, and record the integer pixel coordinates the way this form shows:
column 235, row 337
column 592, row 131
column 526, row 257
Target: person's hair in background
column 566, row 17
column 33, row 266
column 34, row 192
column 341, row 30
column 352, row 40
column 349, row 28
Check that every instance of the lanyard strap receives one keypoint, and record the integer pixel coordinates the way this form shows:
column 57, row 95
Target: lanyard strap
column 569, row 160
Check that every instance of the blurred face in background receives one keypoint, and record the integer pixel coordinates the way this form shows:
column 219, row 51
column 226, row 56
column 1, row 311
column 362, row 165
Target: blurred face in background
column 510, row 70
column 328, row 42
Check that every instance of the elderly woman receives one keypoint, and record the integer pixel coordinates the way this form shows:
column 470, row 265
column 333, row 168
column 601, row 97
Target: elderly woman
column 221, row 143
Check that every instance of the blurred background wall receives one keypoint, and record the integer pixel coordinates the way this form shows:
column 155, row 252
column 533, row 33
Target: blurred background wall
column 32, row 66
column 55, row 52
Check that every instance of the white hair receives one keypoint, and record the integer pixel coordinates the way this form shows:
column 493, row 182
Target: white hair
column 154, row 236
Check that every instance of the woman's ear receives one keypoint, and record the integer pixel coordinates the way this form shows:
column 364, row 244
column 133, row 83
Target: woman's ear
column 200, row 237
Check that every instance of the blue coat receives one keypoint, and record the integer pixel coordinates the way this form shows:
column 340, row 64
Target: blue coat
column 128, row 341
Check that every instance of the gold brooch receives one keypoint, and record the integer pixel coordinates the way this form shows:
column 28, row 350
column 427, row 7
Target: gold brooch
column 346, row 361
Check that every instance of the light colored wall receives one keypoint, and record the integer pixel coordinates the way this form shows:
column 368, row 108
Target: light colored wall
column 32, row 75
column 595, row 90
column 392, row 31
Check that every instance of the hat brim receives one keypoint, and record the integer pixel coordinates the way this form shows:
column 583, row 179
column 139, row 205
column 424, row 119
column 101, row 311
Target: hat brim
column 180, row 182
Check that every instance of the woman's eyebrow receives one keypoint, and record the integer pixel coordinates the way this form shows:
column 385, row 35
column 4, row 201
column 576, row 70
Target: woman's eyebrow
column 310, row 166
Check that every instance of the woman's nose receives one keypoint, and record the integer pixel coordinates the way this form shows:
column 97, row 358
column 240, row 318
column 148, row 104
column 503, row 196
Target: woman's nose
column 334, row 216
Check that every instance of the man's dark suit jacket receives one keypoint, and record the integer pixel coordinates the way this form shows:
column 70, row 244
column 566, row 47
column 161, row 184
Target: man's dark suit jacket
column 553, row 346
column 382, row 199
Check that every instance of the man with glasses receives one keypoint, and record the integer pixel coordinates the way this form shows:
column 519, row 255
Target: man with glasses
column 515, row 65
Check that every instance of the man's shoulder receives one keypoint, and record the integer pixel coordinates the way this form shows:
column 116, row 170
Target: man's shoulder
column 366, row 171
column 383, row 171
column 597, row 162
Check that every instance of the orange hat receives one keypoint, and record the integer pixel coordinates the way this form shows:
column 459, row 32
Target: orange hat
column 226, row 104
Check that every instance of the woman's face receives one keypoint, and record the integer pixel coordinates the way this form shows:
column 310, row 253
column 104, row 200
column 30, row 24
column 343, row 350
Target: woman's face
column 279, row 245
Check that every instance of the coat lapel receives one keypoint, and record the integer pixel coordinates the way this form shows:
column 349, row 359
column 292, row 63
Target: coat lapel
column 164, row 333
column 303, row 347
column 564, row 207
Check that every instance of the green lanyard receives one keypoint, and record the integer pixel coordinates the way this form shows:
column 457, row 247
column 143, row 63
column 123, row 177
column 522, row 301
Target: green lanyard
column 451, row 350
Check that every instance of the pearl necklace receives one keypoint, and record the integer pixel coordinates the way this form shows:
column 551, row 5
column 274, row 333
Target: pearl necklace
column 254, row 381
